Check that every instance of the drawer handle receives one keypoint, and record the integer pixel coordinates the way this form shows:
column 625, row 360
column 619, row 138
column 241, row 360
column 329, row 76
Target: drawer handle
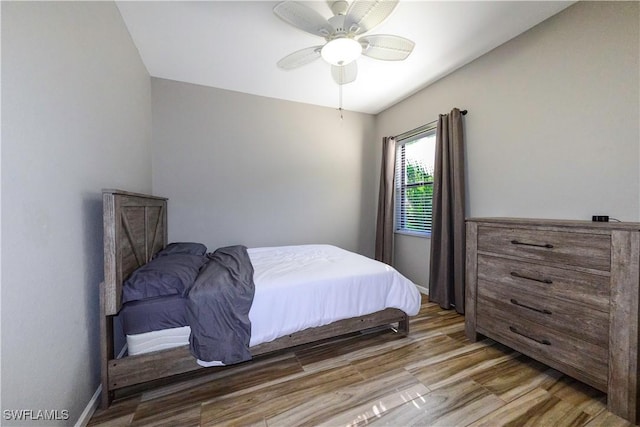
column 543, row 341
column 539, row 310
column 535, row 279
column 538, row 245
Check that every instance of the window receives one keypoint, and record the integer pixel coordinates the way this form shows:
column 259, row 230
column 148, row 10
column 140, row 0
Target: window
column 415, row 155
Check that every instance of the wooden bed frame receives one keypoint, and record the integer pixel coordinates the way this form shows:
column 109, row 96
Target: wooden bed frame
column 135, row 228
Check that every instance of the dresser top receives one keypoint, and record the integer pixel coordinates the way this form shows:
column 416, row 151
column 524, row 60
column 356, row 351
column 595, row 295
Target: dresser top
column 611, row 225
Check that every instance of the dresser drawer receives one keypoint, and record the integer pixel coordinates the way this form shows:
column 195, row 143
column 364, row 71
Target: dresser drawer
column 591, row 251
column 519, row 276
column 571, row 319
column 580, row 359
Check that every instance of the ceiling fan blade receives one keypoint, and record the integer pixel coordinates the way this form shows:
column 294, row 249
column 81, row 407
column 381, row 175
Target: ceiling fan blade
column 363, row 15
column 386, row 47
column 343, row 74
column 300, row 58
column 303, row 17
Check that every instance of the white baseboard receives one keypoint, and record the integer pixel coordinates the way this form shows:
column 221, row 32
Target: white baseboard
column 423, row 290
column 91, row 407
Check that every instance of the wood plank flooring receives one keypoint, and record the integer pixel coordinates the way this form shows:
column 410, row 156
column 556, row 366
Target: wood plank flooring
column 434, row 377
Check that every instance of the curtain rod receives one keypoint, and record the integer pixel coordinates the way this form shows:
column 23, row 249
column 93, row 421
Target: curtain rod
column 420, row 129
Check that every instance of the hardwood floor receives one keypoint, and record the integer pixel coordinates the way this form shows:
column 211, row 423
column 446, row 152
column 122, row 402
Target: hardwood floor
column 433, row 377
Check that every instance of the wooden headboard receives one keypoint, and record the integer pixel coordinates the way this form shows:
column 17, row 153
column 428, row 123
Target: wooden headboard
column 135, row 228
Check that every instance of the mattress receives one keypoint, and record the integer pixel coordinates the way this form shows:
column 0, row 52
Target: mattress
column 163, row 339
column 298, row 287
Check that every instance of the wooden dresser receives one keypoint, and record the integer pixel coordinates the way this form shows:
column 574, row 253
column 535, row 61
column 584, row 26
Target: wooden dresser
column 562, row 292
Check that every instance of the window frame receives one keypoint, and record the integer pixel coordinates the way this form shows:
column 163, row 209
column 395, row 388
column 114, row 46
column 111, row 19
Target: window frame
column 427, row 130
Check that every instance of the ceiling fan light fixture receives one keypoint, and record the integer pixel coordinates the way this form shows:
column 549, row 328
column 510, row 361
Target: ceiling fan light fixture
column 341, row 51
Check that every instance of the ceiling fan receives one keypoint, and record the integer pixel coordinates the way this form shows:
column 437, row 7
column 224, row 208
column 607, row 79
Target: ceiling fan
column 343, row 35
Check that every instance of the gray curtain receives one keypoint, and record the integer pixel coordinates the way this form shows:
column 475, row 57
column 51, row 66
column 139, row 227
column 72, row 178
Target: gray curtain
column 447, row 271
column 384, row 224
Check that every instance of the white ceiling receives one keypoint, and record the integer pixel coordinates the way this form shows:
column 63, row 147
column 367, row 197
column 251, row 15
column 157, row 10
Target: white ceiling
column 235, row 45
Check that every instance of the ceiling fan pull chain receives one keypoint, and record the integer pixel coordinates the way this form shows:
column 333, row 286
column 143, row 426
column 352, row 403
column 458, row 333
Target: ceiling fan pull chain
column 340, row 100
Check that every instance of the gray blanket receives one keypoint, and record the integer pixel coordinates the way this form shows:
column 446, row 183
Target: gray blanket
column 218, row 306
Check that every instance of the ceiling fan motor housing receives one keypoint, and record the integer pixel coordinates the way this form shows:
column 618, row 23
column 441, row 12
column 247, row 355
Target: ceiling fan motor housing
column 339, row 7
column 337, row 22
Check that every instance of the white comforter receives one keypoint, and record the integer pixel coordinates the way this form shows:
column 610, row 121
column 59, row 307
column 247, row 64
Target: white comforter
column 299, row 287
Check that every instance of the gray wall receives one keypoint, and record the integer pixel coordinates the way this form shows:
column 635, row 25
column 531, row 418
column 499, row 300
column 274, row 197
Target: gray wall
column 257, row 171
column 552, row 129
column 76, row 110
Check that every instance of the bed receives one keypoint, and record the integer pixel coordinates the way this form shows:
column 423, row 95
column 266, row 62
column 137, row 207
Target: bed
column 303, row 294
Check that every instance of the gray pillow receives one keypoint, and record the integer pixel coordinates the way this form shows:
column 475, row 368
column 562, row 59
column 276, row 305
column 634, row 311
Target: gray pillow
column 190, row 248
column 164, row 275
